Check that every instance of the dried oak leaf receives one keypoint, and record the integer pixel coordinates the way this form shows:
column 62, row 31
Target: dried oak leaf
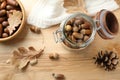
column 14, row 20
column 23, row 57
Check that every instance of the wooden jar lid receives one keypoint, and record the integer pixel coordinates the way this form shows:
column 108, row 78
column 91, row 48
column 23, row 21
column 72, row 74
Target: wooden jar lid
column 107, row 24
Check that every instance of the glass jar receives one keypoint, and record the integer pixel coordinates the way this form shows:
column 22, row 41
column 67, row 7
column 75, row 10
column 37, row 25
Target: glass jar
column 105, row 23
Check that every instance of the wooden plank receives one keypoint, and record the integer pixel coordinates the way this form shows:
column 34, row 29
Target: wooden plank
column 75, row 65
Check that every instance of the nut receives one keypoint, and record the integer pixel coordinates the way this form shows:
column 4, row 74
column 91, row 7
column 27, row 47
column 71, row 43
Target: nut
column 2, row 12
column 77, row 35
column 86, row 25
column 6, row 30
column 4, row 35
column 5, row 23
column 86, row 38
column 9, row 7
column 58, row 76
column 82, row 20
column 12, row 2
column 54, row 56
column 72, row 21
column 86, row 31
column 35, row 29
column 68, row 28
column 78, row 22
column 3, row 5
column 2, row 19
column 75, row 28
column 73, row 39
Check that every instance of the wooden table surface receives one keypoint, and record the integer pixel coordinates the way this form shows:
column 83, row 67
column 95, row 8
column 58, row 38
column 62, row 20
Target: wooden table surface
column 75, row 65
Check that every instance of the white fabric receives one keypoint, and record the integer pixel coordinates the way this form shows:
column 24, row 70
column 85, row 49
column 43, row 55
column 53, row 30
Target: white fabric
column 94, row 6
column 46, row 13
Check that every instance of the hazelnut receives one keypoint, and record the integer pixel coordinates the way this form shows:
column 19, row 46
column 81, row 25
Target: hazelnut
column 68, row 28
column 54, row 56
column 4, row 35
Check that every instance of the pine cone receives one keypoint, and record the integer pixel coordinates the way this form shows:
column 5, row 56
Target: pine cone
column 107, row 60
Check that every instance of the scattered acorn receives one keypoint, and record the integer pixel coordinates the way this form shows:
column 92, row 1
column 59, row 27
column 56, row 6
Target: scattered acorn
column 54, row 56
column 35, row 29
column 58, row 76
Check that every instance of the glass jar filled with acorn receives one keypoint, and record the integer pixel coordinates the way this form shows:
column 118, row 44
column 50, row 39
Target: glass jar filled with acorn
column 78, row 30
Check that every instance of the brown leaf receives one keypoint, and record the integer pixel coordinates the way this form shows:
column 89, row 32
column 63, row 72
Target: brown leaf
column 22, row 50
column 14, row 20
column 31, row 48
column 22, row 57
column 16, row 54
column 23, row 63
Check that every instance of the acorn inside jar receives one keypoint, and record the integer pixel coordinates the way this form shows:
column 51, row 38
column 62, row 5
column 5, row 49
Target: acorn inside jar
column 77, row 30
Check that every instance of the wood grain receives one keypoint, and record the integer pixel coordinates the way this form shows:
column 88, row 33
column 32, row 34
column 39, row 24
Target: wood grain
column 75, row 65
